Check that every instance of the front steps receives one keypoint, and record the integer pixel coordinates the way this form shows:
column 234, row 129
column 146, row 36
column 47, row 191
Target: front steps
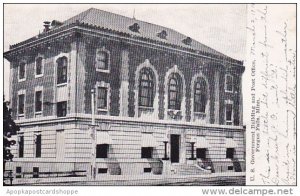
column 188, row 169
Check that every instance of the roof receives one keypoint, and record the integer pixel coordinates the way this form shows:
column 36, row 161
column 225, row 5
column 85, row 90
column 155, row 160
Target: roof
column 118, row 23
column 121, row 23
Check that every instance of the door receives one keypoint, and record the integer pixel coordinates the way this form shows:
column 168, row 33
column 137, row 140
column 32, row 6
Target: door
column 60, row 144
column 175, row 142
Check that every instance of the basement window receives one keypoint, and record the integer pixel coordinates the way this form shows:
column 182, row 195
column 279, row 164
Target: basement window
column 229, row 153
column 147, row 152
column 102, row 170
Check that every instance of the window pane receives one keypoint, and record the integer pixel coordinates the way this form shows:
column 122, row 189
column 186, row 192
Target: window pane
column 102, row 98
column 174, row 92
column 146, row 88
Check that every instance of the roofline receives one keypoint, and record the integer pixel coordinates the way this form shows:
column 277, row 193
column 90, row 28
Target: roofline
column 65, row 30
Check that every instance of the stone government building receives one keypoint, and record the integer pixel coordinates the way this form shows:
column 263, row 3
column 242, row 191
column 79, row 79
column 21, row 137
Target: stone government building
column 164, row 103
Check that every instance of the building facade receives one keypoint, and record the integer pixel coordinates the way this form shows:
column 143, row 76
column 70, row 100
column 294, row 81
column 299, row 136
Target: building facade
column 162, row 102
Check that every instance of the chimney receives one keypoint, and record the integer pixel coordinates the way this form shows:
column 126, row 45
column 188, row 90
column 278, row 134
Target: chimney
column 47, row 26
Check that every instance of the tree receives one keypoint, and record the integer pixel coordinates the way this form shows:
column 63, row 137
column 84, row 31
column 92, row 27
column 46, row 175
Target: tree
column 9, row 128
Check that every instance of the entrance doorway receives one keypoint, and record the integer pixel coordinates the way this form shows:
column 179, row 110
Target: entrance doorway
column 175, row 142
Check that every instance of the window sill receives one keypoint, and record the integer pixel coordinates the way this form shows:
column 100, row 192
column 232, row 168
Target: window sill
column 21, row 115
column 62, row 84
column 146, row 108
column 103, row 70
column 21, row 80
column 227, row 91
column 39, row 76
column 102, row 110
column 200, row 113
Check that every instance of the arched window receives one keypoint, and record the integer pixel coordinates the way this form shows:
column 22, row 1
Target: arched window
column 102, row 60
column 146, row 87
column 62, row 70
column 200, row 96
column 175, row 89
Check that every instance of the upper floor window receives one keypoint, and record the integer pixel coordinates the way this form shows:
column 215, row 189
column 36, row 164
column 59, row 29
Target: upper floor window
column 146, row 88
column 62, row 70
column 229, row 113
column 102, row 98
column 61, row 109
column 38, row 66
column 38, row 101
column 200, row 96
column 228, row 83
column 102, row 60
column 21, row 104
column 175, row 90
column 22, row 71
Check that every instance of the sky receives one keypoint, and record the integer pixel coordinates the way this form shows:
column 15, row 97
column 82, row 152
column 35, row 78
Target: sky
column 222, row 27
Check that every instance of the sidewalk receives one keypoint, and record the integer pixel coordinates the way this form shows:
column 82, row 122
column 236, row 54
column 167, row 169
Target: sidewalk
column 237, row 178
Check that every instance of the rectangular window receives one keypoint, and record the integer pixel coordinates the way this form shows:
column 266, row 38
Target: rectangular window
column 102, row 151
column 38, row 66
column 62, row 70
column 102, row 98
column 228, row 114
column 38, row 101
column 229, row 83
column 102, row 170
column 21, row 106
column 229, row 134
column 147, row 170
column 62, row 109
column 229, row 153
column 18, row 172
column 21, row 146
column 147, row 152
column 201, row 153
column 22, row 70
column 38, row 145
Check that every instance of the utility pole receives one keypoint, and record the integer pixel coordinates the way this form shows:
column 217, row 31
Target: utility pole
column 93, row 137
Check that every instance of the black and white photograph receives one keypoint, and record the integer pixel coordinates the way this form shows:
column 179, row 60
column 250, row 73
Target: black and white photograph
column 149, row 94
